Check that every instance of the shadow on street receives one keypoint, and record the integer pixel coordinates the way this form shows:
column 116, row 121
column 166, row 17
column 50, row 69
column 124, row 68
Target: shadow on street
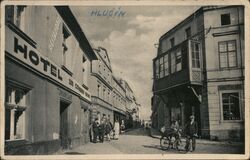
column 138, row 132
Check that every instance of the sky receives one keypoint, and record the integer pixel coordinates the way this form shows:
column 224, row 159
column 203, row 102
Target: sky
column 130, row 39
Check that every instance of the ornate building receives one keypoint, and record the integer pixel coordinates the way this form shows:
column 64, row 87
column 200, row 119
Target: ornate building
column 199, row 70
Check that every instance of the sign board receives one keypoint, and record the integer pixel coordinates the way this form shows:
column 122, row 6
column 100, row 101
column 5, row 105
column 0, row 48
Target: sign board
column 27, row 54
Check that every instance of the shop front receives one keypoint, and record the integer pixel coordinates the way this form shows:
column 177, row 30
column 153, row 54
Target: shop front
column 45, row 108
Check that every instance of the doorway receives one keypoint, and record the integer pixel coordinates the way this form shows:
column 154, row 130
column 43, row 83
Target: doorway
column 64, row 135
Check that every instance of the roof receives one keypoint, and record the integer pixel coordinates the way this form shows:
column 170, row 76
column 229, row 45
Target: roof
column 197, row 12
column 69, row 18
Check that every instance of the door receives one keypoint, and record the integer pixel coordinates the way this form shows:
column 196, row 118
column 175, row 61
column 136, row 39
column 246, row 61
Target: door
column 64, row 137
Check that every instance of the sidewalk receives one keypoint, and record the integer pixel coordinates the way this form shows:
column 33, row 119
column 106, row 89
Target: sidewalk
column 91, row 148
column 156, row 134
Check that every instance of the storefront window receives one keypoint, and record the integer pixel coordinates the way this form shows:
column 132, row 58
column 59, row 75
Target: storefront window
column 231, row 106
column 15, row 105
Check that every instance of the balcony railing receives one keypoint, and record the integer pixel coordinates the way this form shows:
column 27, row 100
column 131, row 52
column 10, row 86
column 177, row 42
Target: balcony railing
column 179, row 65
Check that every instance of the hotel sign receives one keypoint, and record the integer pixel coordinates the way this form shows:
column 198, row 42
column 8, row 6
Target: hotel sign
column 24, row 52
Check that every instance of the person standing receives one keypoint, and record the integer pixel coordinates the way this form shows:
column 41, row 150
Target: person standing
column 108, row 128
column 191, row 130
column 116, row 129
column 101, row 131
column 122, row 126
column 95, row 127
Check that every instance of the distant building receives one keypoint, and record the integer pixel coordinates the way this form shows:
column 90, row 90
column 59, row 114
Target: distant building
column 109, row 95
column 47, row 68
column 199, row 70
column 102, row 86
column 132, row 106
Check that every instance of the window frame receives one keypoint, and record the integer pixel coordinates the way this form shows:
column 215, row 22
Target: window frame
column 13, row 107
column 161, row 67
column 221, row 105
column 227, row 54
column 192, row 45
column 166, row 69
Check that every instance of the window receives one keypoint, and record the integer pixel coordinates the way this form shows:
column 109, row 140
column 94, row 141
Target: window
column 157, row 75
column 231, row 106
column 173, row 62
column 67, row 40
column 172, row 42
column 161, row 68
column 195, row 49
column 227, row 54
column 188, row 32
column 84, row 72
column 163, row 45
column 108, row 96
column 98, row 90
column 225, row 19
column 16, row 103
column 178, row 61
column 166, row 67
column 103, row 96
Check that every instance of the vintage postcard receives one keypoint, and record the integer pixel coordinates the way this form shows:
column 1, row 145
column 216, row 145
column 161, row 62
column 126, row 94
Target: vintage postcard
column 124, row 80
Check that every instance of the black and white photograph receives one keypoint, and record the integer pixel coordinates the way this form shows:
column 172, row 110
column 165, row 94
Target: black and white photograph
column 117, row 80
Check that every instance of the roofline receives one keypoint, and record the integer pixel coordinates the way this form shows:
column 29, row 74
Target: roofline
column 69, row 18
column 182, row 22
column 117, row 81
column 97, row 51
column 197, row 12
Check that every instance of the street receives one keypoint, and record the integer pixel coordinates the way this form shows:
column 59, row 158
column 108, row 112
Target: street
column 139, row 142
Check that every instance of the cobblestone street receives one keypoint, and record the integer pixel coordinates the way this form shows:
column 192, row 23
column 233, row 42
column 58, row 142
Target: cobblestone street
column 138, row 142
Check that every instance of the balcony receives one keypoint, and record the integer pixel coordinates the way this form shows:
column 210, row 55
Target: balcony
column 180, row 65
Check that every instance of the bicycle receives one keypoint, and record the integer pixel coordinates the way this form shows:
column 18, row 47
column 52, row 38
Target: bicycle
column 167, row 142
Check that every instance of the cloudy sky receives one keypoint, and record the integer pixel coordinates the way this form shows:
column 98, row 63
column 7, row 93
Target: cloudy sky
column 130, row 40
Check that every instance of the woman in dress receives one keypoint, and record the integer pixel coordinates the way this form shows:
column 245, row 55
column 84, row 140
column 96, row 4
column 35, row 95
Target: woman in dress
column 117, row 129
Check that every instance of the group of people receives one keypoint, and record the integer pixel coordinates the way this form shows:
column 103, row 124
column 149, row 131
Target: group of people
column 101, row 128
column 190, row 131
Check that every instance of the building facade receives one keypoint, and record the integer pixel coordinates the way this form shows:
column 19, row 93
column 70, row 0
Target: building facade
column 199, row 70
column 132, row 106
column 47, row 77
column 107, row 94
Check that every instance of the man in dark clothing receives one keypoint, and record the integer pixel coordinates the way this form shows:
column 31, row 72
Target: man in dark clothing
column 101, row 131
column 191, row 130
column 95, row 129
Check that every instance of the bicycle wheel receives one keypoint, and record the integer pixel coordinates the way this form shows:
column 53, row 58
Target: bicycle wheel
column 165, row 143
